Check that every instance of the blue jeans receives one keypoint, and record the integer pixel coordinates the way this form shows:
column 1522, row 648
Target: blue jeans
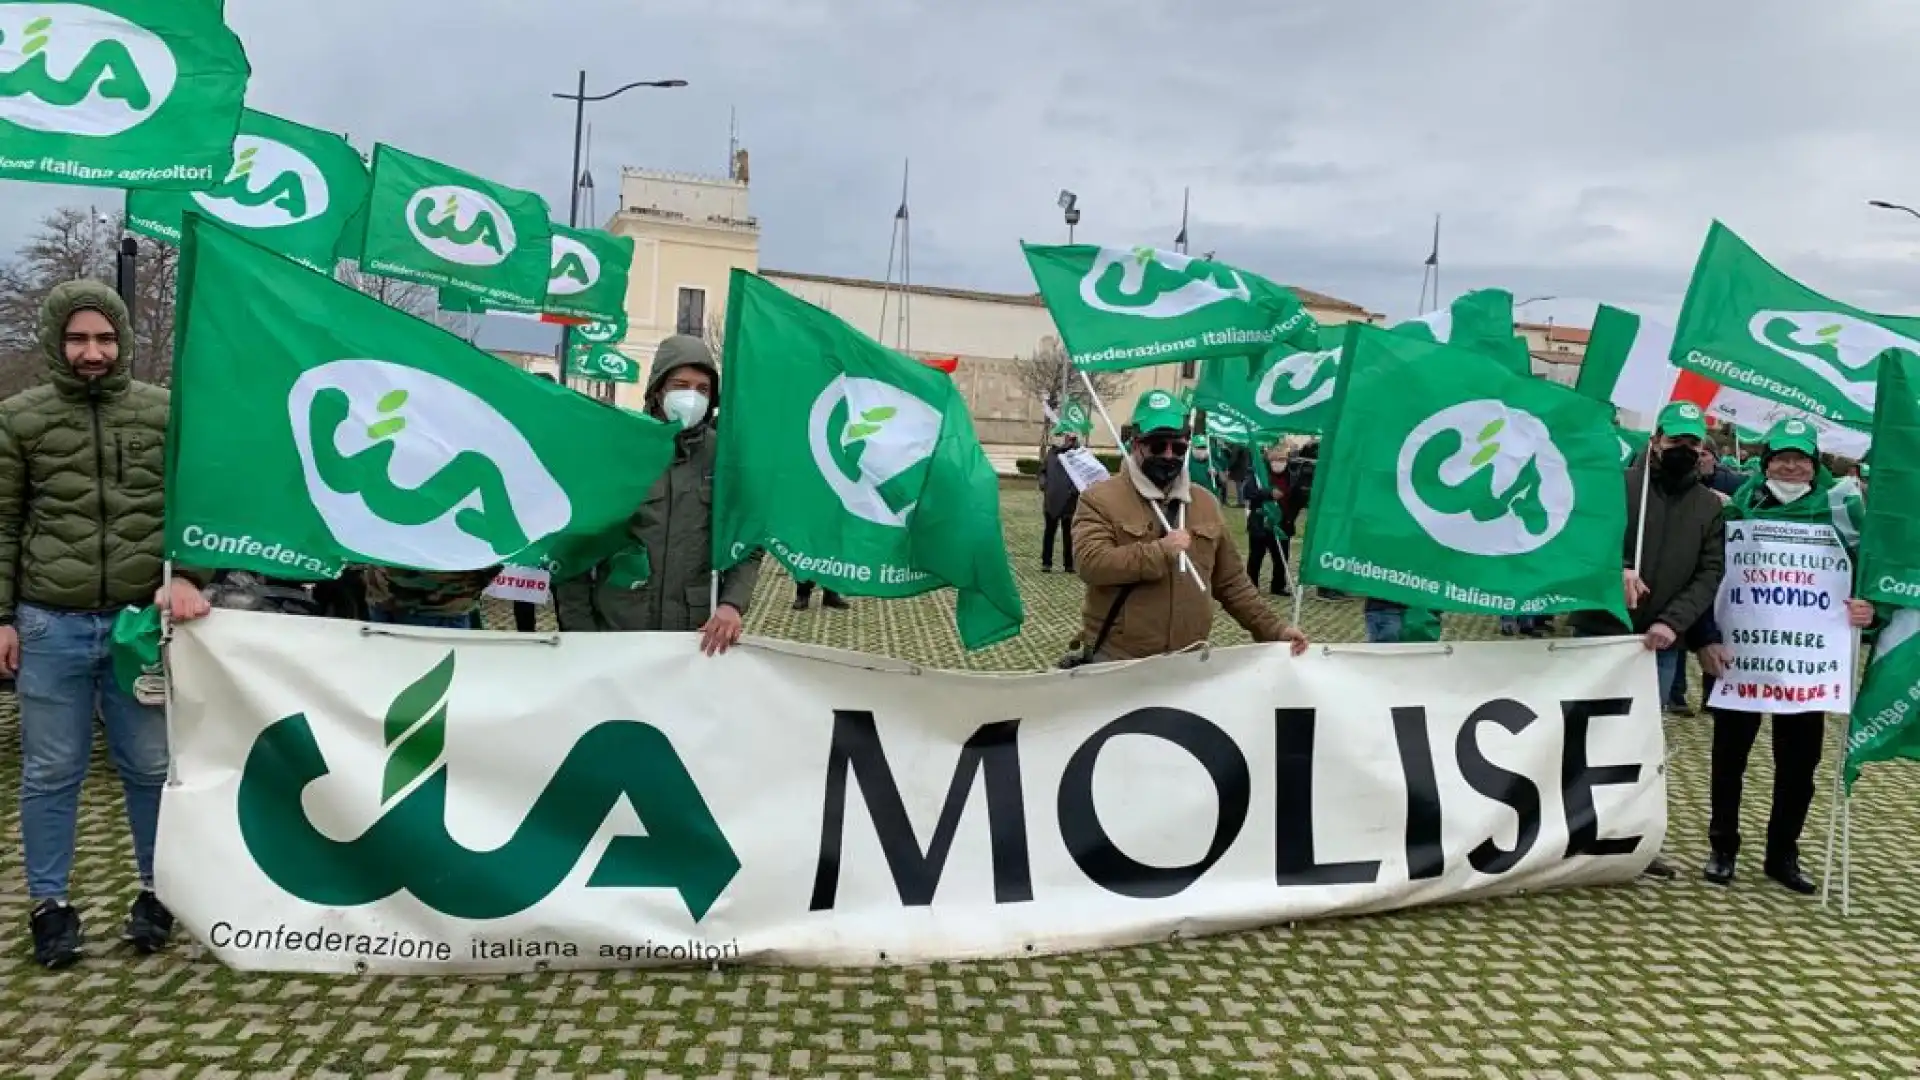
column 1672, row 666
column 424, row 621
column 1384, row 627
column 65, row 678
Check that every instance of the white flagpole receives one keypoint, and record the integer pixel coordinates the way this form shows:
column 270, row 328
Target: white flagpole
column 1840, row 820
column 1833, row 825
column 1186, row 564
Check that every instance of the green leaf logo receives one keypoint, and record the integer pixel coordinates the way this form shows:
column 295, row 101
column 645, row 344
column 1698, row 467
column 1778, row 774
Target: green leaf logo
column 392, row 425
column 1488, row 448
column 243, row 164
column 1829, row 331
column 416, row 730
column 37, row 35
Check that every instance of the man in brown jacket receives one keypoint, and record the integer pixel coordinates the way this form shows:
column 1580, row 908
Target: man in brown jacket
column 1132, row 566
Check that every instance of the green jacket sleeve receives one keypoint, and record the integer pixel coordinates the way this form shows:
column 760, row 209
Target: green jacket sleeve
column 1696, row 598
column 13, row 509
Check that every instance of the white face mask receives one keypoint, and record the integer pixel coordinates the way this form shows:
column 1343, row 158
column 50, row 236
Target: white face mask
column 687, row 406
column 1786, row 492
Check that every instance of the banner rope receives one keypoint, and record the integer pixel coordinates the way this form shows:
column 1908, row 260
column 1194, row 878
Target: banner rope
column 476, row 637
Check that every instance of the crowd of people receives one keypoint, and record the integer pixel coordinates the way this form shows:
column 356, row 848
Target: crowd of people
column 82, row 489
column 82, row 475
column 1136, row 533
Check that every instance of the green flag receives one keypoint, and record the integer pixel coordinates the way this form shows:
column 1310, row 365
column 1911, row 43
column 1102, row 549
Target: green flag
column 1886, row 713
column 587, row 280
column 1120, row 308
column 292, row 189
column 119, row 93
column 1449, row 482
column 1074, row 420
column 1223, row 428
column 1890, row 539
column 601, row 363
column 435, row 225
column 1482, row 321
column 314, row 426
column 855, row 466
column 1750, row 327
column 1287, row 390
column 1631, row 442
column 134, row 646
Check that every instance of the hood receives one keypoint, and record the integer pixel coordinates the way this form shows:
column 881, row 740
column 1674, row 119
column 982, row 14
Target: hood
column 679, row 351
column 1813, row 506
column 60, row 305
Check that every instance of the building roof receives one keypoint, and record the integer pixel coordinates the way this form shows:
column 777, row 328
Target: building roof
column 1307, row 296
column 1556, row 358
column 1572, row 335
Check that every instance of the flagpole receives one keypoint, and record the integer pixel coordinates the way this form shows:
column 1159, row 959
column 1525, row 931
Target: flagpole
column 1640, row 533
column 1186, row 564
column 1833, row 824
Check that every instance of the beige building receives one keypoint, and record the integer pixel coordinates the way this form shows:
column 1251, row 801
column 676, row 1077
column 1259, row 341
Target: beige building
column 690, row 232
column 1557, row 351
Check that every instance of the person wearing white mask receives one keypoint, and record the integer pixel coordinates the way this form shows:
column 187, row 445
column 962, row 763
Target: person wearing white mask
column 1792, row 485
column 663, row 580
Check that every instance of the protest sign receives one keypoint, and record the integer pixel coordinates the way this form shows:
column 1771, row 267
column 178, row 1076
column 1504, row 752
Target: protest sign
column 1083, row 468
column 523, row 584
column 1782, row 611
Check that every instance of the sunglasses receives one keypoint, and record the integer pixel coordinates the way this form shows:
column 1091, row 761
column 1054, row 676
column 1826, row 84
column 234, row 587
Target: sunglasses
column 1165, row 446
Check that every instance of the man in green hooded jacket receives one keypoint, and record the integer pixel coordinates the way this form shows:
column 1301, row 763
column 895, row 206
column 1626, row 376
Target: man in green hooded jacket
column 82, row 463
column 663, row 580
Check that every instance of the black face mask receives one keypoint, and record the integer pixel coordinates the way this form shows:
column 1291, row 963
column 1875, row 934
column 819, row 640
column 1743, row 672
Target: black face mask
column 1679, row 465
column 1160, row 471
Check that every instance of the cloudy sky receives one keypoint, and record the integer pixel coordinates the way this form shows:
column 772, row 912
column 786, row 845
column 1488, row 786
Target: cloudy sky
column 1576, row 150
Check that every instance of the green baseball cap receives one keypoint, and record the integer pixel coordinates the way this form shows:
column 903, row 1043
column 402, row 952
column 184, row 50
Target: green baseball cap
column 1159, row 410
column 1793, row 434
column 1682, row 418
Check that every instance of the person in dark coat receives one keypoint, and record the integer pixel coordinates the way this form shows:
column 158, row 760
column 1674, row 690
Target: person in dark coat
column 1673, row 552
column 1059, row 499
column 1265, row 538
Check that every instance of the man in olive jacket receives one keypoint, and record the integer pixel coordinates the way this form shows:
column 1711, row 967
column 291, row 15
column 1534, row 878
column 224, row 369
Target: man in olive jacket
column 82, row 459
column 663, row 580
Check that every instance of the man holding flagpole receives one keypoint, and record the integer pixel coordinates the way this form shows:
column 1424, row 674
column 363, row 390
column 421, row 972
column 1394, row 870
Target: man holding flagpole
column 1674, row 551
column 1138, row 602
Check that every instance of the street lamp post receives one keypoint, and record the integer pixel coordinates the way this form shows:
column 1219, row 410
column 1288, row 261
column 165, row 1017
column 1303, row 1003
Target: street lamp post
column 580, row 99
column 1880, row 205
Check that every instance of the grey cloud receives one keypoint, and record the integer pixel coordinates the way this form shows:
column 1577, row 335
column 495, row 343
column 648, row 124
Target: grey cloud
column 1576, row 150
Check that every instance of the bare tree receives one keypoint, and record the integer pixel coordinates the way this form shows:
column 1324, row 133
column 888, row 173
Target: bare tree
column 416, row 300
column 1046, row 372
column 73, row 243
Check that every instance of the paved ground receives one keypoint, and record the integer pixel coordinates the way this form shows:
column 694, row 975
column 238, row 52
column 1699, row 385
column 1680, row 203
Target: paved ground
column 1667, row 981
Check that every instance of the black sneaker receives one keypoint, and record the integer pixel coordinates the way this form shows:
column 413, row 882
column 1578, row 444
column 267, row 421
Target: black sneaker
column 1658, row 870
column 833, row 602
column 149, row 924
column 56, row 935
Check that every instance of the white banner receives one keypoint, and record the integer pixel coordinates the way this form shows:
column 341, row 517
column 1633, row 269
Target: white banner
column 1782, row 611
column 1083, row 468
column 457, row 801
column 524, row 584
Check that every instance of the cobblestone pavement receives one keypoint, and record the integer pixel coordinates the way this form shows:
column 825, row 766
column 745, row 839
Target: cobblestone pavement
column 1653, row 980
